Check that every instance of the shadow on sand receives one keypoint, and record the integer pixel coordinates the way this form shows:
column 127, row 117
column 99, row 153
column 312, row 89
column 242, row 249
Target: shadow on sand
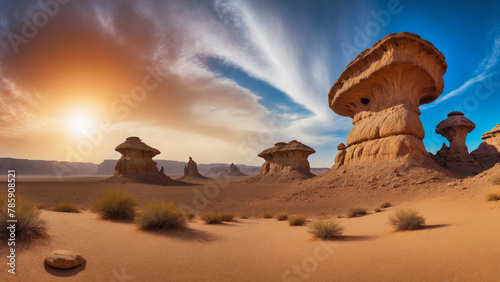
column 65, row 272
column 425, row 227
column 185, row 234
column 353, row 238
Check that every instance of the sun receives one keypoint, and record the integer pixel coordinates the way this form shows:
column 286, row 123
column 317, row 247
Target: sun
column 80, row 124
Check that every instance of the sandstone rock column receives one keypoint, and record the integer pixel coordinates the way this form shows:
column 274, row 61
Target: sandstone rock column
column 233, row 170
column 455, row 129
column 381, row 90
column 191, row 171
column 340, row 157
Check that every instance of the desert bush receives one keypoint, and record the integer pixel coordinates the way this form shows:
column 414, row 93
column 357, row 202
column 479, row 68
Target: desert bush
column 493, row 196
column 377, row 210
column 495, row 180
column 115, row 205
column 267, row 215
column 244, row 217
column 385, row 205
column 295, row 220
column 29, row 225
column 355, row 212
column 406, row 219
column 189, row 215
column 326, row 229
column 227, row 216
column 211, row 217
column 161, row 215
column 282, row 216
column 65, row 207
column 40, row 206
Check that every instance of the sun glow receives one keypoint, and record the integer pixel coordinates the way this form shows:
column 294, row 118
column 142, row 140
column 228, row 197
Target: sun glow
column 80, row 124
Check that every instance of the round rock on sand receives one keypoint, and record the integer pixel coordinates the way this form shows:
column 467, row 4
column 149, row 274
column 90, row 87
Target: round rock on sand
column 64, row 259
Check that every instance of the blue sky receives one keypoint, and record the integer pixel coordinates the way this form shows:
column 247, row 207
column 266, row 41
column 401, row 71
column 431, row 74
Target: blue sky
column 237, row 76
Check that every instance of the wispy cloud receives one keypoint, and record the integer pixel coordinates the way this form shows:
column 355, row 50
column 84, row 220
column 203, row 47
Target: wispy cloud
column 482, row 71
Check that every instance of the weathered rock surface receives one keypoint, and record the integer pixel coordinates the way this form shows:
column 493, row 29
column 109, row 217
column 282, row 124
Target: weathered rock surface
column 381, row 91
column 64, row 259
column 233, row 170
column 285, row 162
column 340, row 157
column 137, row 166
column 191, row 171
column 456, row 157
column 488, row 152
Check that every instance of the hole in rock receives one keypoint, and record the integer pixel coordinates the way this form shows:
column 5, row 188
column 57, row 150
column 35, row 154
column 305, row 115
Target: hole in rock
column 365, row 101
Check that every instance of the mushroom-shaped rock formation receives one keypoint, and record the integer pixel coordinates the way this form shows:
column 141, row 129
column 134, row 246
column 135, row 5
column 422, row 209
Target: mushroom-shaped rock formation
column 381, row 91
column 137, row 166
column 233, row 170
column 455, row 129
column 191, row 171
column 340, row 157
column 488, row 152
column 285, row 162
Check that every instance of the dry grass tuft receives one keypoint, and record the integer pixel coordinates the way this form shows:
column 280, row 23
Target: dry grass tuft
column 115, row 205
column 493, row 197
column 161, row 215
column 65, row 207
column 385, row 205
column 296, row 220
column 267, row 215
column 282, row 216
column 326, row 229
column 406, row 219
column 227, row 216
column 211, row 217
column 29, row 225
column 356, row 212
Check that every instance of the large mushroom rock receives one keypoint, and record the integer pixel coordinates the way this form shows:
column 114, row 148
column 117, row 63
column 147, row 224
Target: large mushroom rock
column 488, row 152
column 381, row 91
column 285, row 162
column 191, row 171
column 137, row 166
column 455, row 129
column 233, row 170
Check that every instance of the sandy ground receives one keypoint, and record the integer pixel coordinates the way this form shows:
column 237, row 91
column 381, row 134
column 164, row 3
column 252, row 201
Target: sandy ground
column 460, row 241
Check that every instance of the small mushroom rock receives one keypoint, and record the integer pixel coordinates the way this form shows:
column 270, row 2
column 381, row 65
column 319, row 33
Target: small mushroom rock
column 233, row 170
column 381, row 91
column 339, row 158
column 285, row 162
column 64, row 259
column 191, row 171
column 488, row 152
column 137, row 166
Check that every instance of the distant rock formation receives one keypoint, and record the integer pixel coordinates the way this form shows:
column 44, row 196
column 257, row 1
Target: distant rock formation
column 285, row 162
column 137, row 166
column 381, row 91
column 233, row 170
column 191, row 171
column 456, row 157
column 488, row 152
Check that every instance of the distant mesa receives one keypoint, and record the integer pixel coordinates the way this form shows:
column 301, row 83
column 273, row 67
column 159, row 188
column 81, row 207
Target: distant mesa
column 191, row 171
column 233, row 170
column 285, row 162
column 381, row 90
column 488, row 152
column 456, row 158
column 137, row 166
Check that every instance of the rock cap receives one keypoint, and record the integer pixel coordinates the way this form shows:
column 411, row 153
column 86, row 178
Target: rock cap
column 293, row 145
column 341, row 146
column 454, row 121
column 135, row 143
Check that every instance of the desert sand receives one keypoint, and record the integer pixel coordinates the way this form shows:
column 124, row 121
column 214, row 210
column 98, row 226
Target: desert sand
column 457, row 244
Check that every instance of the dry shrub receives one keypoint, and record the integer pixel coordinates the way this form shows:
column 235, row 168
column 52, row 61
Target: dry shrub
column 296, row 220
column 161, row 215
column 211, row 217
column 267, row 215
column 385, row 205
column 29, row 225
column 282, row 216
column 406, row 219
column 227, row 216
column 115, row 205
column 356, row 212
column 65, row 207
column 377, row 210
column 326, row 229
column 40, row 206
column 493, row 196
